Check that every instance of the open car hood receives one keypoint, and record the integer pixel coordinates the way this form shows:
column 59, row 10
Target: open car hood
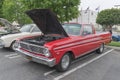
column 8, row 25
column 47, row 21
column 5, row 22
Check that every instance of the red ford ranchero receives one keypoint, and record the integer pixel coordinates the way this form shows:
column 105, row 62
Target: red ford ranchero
column 59, row 44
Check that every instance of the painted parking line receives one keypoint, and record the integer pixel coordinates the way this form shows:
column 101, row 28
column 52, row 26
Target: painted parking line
column 49, row 72
column 11, row 56
column 80, row 66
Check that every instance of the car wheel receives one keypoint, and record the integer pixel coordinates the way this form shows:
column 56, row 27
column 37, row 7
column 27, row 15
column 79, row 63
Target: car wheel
column 64, row 63
column 101, row 49
column 12, row 47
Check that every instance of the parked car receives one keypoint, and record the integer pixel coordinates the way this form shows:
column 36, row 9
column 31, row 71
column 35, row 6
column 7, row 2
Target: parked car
column 8, row 27
column 115, row 37
column 60, row 45
column 8, row 40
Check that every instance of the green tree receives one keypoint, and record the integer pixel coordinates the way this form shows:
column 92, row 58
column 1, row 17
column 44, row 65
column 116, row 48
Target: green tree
column 108, row 17
column 13, row 10
column 65, row 9
column 1, row 3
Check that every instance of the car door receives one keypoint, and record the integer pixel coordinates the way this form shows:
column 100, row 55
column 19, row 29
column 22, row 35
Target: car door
column 88, row 39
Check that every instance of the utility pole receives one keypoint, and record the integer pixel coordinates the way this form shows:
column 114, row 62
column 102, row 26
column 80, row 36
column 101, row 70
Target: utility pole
column 81, row 14
column 88, row 16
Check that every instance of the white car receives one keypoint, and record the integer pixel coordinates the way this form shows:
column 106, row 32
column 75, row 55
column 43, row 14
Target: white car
column 8, row 40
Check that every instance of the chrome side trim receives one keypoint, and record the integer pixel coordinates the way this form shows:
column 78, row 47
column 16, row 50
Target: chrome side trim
column 77, row 43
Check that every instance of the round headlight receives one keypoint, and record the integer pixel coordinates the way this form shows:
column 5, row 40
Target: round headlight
column 46, row 52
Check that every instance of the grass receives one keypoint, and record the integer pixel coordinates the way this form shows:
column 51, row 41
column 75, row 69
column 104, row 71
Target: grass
column 113, row 43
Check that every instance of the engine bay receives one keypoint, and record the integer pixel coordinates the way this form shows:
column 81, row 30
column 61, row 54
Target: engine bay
column 41, row 40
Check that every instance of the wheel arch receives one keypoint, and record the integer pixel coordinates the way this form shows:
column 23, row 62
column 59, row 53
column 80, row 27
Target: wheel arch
column 65, row 52
column 12, row 42
column 59, row 66
column 71, row 54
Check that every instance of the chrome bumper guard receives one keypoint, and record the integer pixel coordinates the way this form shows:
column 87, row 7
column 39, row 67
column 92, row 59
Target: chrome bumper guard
column 38, row 59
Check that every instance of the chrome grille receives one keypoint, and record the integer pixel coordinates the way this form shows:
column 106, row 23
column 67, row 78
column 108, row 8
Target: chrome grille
column 36, row 49
column 32, row 47
column 25, row 46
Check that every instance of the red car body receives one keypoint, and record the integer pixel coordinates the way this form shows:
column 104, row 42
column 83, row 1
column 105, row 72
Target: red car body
column 75, row 45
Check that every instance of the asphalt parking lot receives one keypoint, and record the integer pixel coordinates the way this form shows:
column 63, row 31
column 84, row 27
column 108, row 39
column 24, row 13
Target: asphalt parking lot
column 104, row 66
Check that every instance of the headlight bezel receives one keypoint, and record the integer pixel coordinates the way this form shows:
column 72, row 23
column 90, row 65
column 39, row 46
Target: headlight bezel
column 46, row 52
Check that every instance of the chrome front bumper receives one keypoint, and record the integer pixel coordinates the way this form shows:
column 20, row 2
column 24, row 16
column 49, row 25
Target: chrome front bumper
column 38, row 59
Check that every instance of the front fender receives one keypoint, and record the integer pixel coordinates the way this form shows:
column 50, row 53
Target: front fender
column 58, row 54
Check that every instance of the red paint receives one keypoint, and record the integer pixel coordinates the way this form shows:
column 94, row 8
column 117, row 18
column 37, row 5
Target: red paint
column 78, row 45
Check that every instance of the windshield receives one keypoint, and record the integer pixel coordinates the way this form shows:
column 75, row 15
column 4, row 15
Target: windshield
column 72, row 29
column 27, row 28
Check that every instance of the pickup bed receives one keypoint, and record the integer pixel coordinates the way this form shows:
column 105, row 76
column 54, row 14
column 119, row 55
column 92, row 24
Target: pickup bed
column 60, row 44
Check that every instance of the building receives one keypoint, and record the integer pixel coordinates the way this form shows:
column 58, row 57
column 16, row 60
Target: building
column 86, row 17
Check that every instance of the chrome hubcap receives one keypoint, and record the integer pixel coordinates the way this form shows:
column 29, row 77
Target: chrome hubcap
column 65, row 61
column 101, row 48
column 13, row 46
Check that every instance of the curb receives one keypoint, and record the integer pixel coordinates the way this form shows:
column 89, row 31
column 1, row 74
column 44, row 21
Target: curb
column 113, row 47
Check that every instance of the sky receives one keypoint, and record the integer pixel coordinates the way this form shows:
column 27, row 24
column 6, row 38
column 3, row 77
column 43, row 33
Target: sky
column 93, row 4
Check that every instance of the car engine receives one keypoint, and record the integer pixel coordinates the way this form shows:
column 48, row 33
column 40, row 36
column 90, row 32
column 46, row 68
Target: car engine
column 41, row 40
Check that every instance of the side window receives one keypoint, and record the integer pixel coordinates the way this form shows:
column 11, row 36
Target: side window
column 87, row 30
column 36, row 29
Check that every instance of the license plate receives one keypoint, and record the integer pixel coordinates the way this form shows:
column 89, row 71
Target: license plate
column 29, row 58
